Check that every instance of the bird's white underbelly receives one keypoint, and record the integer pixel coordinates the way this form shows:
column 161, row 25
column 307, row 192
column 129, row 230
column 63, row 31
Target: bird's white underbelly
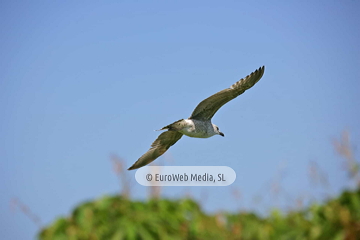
column 196, row 130
column 195, row 134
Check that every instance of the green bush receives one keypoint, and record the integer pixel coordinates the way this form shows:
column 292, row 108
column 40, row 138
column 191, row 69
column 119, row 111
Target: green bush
column 118, row 217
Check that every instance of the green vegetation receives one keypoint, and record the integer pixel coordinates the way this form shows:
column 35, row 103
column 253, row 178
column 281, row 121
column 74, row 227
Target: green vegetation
column 117, row 217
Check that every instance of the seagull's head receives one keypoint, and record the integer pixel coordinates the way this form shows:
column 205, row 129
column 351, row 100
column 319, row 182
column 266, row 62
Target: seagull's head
column 217, row 131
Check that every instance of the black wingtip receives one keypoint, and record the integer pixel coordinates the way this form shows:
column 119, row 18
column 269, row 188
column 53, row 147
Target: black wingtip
column 262, row 68
column 132, row 167
column 261, row 71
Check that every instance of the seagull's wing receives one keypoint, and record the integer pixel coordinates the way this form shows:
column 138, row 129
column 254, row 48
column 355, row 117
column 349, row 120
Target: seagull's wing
column 158, row 148
column 208, row 107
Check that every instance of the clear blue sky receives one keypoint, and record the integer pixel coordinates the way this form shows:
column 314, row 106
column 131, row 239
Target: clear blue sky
column 82, row 80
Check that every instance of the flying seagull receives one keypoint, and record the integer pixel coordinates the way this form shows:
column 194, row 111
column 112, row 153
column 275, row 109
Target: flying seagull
column 199, row 124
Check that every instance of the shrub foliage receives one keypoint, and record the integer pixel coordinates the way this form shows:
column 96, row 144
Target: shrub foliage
column 118, row 217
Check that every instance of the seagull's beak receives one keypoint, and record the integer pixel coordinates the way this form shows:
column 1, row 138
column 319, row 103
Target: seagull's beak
column 221, row 134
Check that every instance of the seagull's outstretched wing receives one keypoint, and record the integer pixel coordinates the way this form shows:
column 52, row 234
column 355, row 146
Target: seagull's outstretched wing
column 158, row 148
column 208, row 107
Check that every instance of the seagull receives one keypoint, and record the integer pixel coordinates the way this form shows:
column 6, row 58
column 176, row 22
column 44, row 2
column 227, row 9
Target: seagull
column 198, row 125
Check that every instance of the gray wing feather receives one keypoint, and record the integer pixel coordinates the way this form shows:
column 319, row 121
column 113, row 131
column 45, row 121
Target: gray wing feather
column 158, row 148
column 206, row 109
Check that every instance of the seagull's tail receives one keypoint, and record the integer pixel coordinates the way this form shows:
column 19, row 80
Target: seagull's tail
column 164, row 128
column 171, row 126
